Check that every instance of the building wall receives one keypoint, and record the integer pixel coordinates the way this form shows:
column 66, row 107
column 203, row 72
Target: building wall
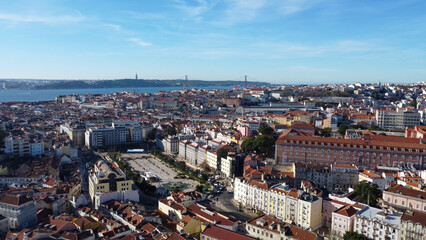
column 212, row 160
column 412, row 231
column 341, row 224
column 22, row 216
column 228, row 166
column 347, row 152
column 399, row 201
column 173, row 214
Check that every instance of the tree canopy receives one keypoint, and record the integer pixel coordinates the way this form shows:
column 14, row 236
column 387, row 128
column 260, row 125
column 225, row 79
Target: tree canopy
column 342, row 129
column 265, row 129
column 171, row 131
column 2, row 136
column 367, row 193
column 354, row 236
column 259, row 144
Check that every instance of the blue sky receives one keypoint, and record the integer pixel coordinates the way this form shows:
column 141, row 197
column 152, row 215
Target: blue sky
column 279, row 41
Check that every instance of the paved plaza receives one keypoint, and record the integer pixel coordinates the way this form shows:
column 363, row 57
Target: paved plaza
column 148, row 164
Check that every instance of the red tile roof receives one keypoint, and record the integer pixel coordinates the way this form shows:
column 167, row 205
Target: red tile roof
column 224, row 234
column 14, row 200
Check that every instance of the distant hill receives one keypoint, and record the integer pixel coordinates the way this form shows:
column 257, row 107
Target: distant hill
column 132, row 83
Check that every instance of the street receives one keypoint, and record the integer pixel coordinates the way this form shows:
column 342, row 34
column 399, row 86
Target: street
column 224, row 203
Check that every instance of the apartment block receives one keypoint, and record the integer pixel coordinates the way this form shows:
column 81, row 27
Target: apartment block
column 107, row 177
column 120, row 133
column 228, row 166
column 23, row 146
column 171, row 145
column 377, row 224
column 290, row 205
column 20, row 210
column 397, row 119
column 413, row 225
column 399, row 198
column 360, row 152
column 266, row 228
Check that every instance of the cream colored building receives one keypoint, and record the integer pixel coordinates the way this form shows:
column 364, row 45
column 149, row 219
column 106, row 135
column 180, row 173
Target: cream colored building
column 172, row 209
column 107, row 177
column 413, row 225
column 227, row 167
column 309, row 214
column 212, row 160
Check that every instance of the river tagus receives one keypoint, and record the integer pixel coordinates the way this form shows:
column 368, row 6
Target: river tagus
column 50, row 95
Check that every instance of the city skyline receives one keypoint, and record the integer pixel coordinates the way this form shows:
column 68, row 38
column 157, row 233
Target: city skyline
column 284, row 42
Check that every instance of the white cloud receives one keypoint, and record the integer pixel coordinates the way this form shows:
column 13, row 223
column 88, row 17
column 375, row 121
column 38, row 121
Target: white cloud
column 113, row 26
column 240, row 11
column 139, row 42
column 61, row 19
column 287, row 49
column 197, row 9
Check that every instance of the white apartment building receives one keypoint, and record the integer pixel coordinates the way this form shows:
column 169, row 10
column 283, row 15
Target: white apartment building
column 20, row 210
column 121, row 132
column 227, row 168
column 171, row 145
column 23, row 146
column 212, row 160
column 192, row 154
column 251, row 193
column 376, row 224
column 398, row 119
column 202, row 154
column 290, row 205
column 182, row 148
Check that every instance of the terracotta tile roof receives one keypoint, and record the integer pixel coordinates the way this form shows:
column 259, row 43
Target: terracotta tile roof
column 258, row 184
column 347, row 211
column 208, row 214
column 223, row 234
column 14, row 200
column 173, row 204
column 149, row 228
column 407, row 191
column 271, row 224
column 344, row 166
column 175, row 236
column 415, row 217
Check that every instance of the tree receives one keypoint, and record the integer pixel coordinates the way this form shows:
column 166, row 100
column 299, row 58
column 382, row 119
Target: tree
column 171, row 131
column 354, row 236
column 2, row 137
column 265, row 129
column 181, row 166
column 259, row 144
column 153, row 134
column 367, row 193
column 248, row 145
column 199, row 188
column 264, row 143
column 342, row 129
